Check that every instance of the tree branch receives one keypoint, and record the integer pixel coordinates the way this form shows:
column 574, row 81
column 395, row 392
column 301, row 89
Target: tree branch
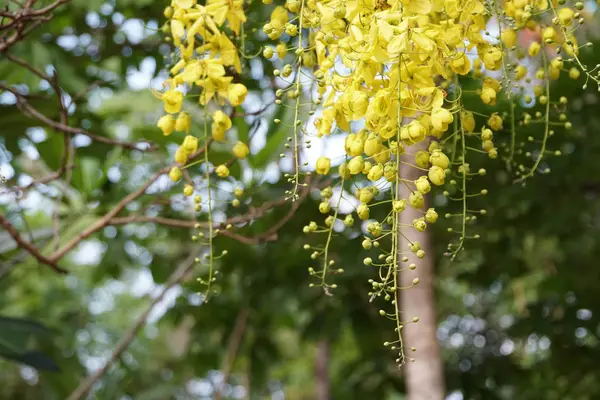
column 31, row 249
column 176, row 277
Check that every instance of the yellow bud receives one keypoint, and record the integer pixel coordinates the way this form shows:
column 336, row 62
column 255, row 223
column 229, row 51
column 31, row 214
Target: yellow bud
column 366, row 194
column 520, row 72
column 324, row 207
column 423, row 185
column 548, row 34
column 372, row 145
column 438, row 158
column 422, row 159
column 534, row 49
column 420, row 224
column 356, row 165
column 363, row 211
column 495, row 122
column 398, row 205
column 166, row 123
column 281, row 50
column 468, row 121
column 188, row 190
column 344, row 171
column 431, row 216
column 190, row 144
column 181, row 155
column 416, row 200
column 375, row 173
column 436, row 175
column 175, row 174
column 241, row 150
column 222, row 171
column 574, row 73
column 509, row 37
column 183, row 122
column 236, row 94
column 323, row 165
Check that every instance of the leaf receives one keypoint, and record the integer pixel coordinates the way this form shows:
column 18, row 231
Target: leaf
column 34, row 359
column 15, row 335
column 88, row 175
column 274, row 142
column 51, row 150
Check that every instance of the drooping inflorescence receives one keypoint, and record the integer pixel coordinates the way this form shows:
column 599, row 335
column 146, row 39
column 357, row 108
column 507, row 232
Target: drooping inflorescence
column 395, row 79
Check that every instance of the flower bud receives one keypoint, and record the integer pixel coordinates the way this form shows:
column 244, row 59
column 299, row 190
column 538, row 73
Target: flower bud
column 241, row 150
column 175, row 174
column 323, row 165
column 183, row 122
column 222, row 171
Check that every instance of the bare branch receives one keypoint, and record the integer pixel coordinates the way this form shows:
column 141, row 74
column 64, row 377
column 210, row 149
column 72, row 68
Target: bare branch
column 180, row 273
column 31, row 249
column 33, row 112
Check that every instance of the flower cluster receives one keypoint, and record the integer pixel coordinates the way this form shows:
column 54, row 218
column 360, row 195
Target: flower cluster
column 391, row 76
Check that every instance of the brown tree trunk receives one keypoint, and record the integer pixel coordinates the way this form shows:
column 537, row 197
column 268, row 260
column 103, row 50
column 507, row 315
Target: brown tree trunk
column 322, row 371
column 425, row 376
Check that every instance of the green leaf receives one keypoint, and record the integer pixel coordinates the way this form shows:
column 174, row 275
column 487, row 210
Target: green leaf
column 51, row 150
column 34, row 359
column 275, row 141
column 88, row 175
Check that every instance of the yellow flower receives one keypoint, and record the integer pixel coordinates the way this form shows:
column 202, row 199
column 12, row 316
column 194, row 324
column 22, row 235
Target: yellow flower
column 232, row 10
column 166, row 123
column 461, row 65
column 190, row 144
column 173, row 100
column 188, row 190
column 183, row 122
column 492, row 58
column 221, row 119
column 440, row 118
column 241, row 150
column 175, row 174
column 237, row 94
column 222, row 171
column 323, row 165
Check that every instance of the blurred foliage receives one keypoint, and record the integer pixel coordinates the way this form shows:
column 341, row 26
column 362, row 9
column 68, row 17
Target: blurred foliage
column 518, row 309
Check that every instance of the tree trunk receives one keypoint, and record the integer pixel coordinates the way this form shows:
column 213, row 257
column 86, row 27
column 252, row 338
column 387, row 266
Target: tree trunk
column 321, row 371
column 425, row 376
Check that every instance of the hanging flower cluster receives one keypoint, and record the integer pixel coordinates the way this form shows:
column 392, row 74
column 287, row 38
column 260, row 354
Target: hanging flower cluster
column 392, row 77
column 205, row 63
